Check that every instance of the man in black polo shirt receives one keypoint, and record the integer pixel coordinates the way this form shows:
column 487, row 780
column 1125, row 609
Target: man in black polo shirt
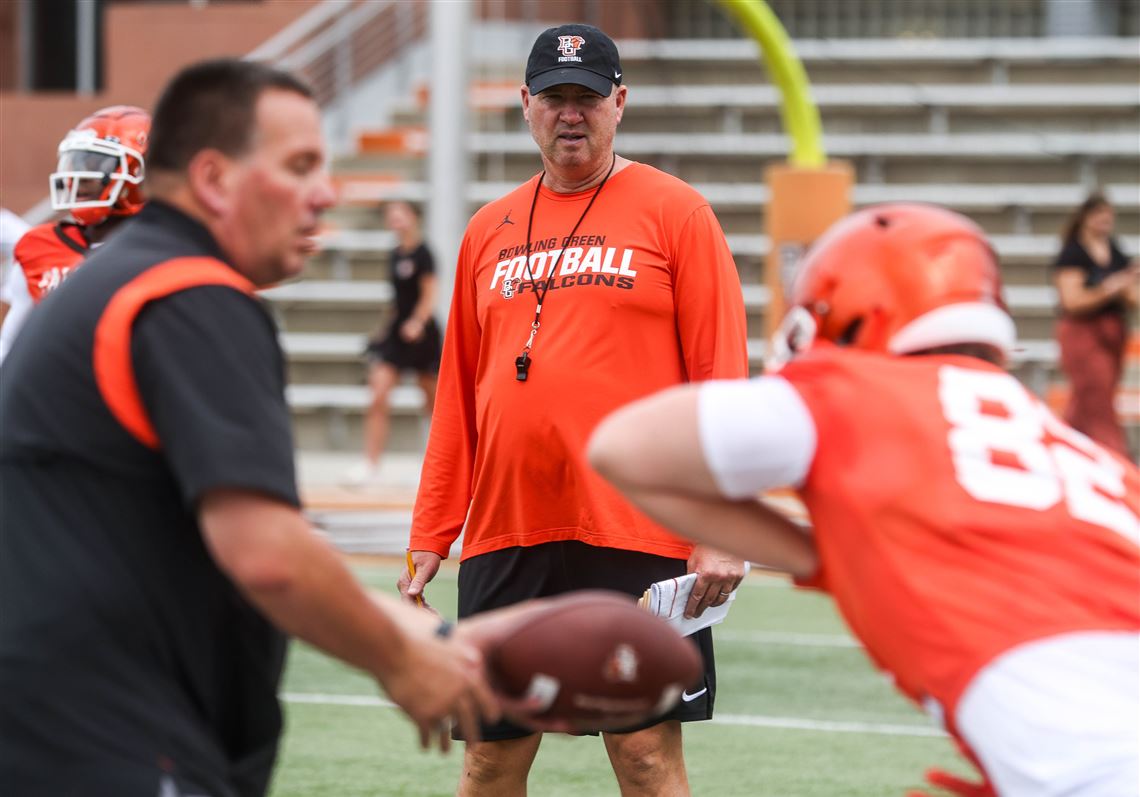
column 153, row 551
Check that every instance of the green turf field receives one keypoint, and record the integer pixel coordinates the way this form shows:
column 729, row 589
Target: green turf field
column 799, row 713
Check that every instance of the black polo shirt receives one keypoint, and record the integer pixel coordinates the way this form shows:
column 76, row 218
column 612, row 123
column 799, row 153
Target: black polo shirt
column 1073, row 255
column 128, row 661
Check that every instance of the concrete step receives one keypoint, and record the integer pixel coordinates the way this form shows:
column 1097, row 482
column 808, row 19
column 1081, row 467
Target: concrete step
column 330, row 417
column 874, row 107
column 1077, row 169
column 340, row 349
column 1009, row 209
column 999, row 146
column 336, row 426
column 1013, row 247
column 1017, row 269
column 859, row 61
column 922, row 61
column 1005, row 224
column 359, row 307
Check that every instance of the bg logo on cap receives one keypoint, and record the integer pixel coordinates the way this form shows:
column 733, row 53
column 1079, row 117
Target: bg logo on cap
column 569, row 46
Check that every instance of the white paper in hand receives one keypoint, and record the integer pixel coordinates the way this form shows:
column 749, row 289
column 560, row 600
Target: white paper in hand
column 667, row 600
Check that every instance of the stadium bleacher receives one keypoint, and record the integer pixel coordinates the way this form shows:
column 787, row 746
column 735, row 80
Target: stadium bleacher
column 1008, row 131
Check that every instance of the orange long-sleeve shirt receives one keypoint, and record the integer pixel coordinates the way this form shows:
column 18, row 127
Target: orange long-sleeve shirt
column 646, row 295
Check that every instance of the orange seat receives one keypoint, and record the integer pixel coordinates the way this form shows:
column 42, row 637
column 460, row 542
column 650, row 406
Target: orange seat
column 482, row 94
column 393, row 141
column 1132, row 350
column 356, row 188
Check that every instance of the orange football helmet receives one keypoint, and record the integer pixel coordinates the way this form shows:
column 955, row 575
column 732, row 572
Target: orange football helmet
column 898, row 278
column 101, row 165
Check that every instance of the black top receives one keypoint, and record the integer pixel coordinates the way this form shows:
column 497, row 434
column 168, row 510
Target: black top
column 126, row 656
column 407, row 269
column 1073, row 255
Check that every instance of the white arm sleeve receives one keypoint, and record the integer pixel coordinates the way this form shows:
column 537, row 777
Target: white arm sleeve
column 14, row 286
column 12, row 227
column 19, row 301
column 755, row 434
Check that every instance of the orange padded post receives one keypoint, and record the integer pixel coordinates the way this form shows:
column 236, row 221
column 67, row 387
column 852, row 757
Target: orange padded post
column 802, row 203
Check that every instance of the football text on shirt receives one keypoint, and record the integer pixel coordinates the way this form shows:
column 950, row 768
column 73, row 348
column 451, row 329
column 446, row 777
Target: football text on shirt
column 570, row 261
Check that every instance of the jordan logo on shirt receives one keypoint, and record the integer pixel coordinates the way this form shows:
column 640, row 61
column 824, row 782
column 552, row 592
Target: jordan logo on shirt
column 506, row 218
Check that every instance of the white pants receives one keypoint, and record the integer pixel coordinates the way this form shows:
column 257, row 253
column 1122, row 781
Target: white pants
column 1059, row 717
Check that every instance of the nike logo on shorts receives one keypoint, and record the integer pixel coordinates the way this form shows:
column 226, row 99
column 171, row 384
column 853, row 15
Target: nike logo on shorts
column 690, row 698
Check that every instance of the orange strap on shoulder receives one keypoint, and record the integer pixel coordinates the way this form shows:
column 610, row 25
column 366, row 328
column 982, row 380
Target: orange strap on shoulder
column 114, row 371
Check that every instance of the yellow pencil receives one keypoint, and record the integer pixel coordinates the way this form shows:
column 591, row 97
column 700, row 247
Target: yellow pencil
column 412, row 573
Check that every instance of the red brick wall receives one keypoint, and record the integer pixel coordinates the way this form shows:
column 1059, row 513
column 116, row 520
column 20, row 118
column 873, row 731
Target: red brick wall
column 620, row 20
column 9, row 52
column 31, row 126
column 145, row 45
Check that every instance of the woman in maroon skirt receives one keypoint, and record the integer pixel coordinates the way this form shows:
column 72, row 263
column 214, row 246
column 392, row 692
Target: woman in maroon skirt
column 1097, row 287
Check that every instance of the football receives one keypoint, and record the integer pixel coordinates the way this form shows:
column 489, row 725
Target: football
column 595, row 660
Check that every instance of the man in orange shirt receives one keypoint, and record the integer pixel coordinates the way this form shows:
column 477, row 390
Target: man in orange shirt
column 596, row 282
column 984, row 552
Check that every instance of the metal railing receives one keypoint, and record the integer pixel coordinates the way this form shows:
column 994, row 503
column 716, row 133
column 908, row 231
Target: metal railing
column 339, row 42
column 883, row 19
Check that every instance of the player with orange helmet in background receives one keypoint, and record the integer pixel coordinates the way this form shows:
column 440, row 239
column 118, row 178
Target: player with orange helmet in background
column 899, row 279
column 985, row 553
column 98, row 180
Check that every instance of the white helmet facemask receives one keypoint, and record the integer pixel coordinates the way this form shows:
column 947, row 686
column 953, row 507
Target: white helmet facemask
column 92, row 172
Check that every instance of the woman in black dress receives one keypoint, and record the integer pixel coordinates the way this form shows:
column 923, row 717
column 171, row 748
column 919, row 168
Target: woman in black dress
column 412, row 341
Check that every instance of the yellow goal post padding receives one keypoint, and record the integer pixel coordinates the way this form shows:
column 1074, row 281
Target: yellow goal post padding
column 808, row 193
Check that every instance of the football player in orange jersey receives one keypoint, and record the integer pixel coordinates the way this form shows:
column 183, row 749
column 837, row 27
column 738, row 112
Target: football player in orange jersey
column 985, row 553
column 98, row 180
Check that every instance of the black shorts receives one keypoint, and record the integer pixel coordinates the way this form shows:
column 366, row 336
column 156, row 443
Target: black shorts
column 502, row 578
column 421, row 356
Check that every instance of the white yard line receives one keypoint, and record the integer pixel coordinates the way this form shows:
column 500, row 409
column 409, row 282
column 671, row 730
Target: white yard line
column 749, row 720
column 787, row 638
column 827, row 726
column 766, row 582
column 367, row 701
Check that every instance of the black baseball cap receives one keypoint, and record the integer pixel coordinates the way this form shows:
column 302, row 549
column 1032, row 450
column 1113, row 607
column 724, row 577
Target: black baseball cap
column 579, row 54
